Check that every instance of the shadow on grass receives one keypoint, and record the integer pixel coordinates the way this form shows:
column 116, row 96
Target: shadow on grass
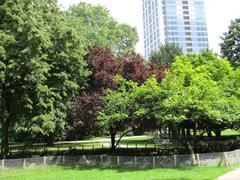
column 120, row 169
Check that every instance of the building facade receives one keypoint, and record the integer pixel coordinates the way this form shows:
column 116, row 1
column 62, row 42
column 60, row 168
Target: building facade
column 174, row 21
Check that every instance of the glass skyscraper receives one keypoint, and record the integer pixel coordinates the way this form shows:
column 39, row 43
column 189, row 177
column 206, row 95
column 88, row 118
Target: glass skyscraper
column 174, row 21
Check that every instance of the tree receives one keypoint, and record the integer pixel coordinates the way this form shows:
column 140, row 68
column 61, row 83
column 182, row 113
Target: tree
column 103, row 66
column 84, row 112
column 41, row 68
column 166, row 54
column 230, row 47
column 134, row 68
column 84, row 109
column 200, row 93
column 97, row 27
column 114, row 114
column 145, row 104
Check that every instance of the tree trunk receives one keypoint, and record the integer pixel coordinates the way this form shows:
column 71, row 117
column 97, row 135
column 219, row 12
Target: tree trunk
column 183, row 132
column 174, row 130
column 113, row 135
column 194, row 131
column 209, row 133
column 188, row 132
column 5, row 143
column 218, row 133
column 49, row 140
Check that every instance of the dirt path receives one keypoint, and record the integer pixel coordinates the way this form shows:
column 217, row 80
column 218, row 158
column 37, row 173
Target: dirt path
column 233, row 175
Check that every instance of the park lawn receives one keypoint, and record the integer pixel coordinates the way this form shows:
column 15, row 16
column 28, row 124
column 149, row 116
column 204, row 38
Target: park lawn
column 62, row 173
column 230, row 132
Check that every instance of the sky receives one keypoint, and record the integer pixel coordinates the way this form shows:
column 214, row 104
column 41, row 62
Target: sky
column 219, row 14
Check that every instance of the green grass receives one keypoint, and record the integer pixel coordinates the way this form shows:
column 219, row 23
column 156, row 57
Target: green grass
column 62, row 173
column 230, row 132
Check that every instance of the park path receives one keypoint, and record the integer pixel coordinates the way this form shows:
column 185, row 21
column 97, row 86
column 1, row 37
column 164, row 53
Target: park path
column 233, row 175
column 104, row 140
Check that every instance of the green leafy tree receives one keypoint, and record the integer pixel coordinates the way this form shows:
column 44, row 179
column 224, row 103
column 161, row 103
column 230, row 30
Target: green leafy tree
column 197, row 90
column 97, row 27
column 145, row 105
column 230, row 47
column 114, row 114
column 166, row 54
column 41, row 68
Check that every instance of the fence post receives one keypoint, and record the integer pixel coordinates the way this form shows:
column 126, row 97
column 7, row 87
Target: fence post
column 63, row 159
column 237, row 155
column 44, row 160
column 93, row 147
column 118, row 161
column 154, row 162
column 102, row 146
column 198, row 159
column 226, row 159
column 24, row 163
column 135, row 161
column 174, row 160
column 3, row 163
column 101, row 159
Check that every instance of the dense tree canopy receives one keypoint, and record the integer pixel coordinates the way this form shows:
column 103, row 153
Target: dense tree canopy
column 114, row 114
column 41, row 67
column 104, row 68
column 166, row 54
column 83, row 114
column 134, row 68
column 97, row 27
column 84, row 109
column 200, row 92
column 230, row 47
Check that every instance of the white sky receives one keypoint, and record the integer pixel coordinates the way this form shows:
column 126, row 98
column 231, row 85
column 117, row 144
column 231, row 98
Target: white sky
column 219, row 13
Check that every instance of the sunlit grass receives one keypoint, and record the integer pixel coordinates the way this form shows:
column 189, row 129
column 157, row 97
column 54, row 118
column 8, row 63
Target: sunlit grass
column 62, row 173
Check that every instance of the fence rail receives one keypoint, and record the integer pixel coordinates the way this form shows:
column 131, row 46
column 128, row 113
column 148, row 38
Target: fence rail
column 208, row 159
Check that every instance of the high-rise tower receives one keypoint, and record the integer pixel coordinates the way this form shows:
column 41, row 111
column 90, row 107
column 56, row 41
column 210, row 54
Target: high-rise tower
column 174, row 21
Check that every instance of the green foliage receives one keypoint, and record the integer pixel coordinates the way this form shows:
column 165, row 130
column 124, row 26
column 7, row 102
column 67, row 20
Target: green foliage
column 97, row 27
column 202, row 89
column 166, row 55
column 114, row 113
column 230, row 47
column 196, row 88
column 145, row 105
column 41, row 66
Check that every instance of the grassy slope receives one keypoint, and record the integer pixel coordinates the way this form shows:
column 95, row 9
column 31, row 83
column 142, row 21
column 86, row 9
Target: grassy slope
column 62, row 173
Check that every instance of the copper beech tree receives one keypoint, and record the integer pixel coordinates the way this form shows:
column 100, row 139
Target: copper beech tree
column 84, row 109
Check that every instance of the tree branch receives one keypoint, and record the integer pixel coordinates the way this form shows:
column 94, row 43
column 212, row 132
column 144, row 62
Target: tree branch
column 122, row 136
